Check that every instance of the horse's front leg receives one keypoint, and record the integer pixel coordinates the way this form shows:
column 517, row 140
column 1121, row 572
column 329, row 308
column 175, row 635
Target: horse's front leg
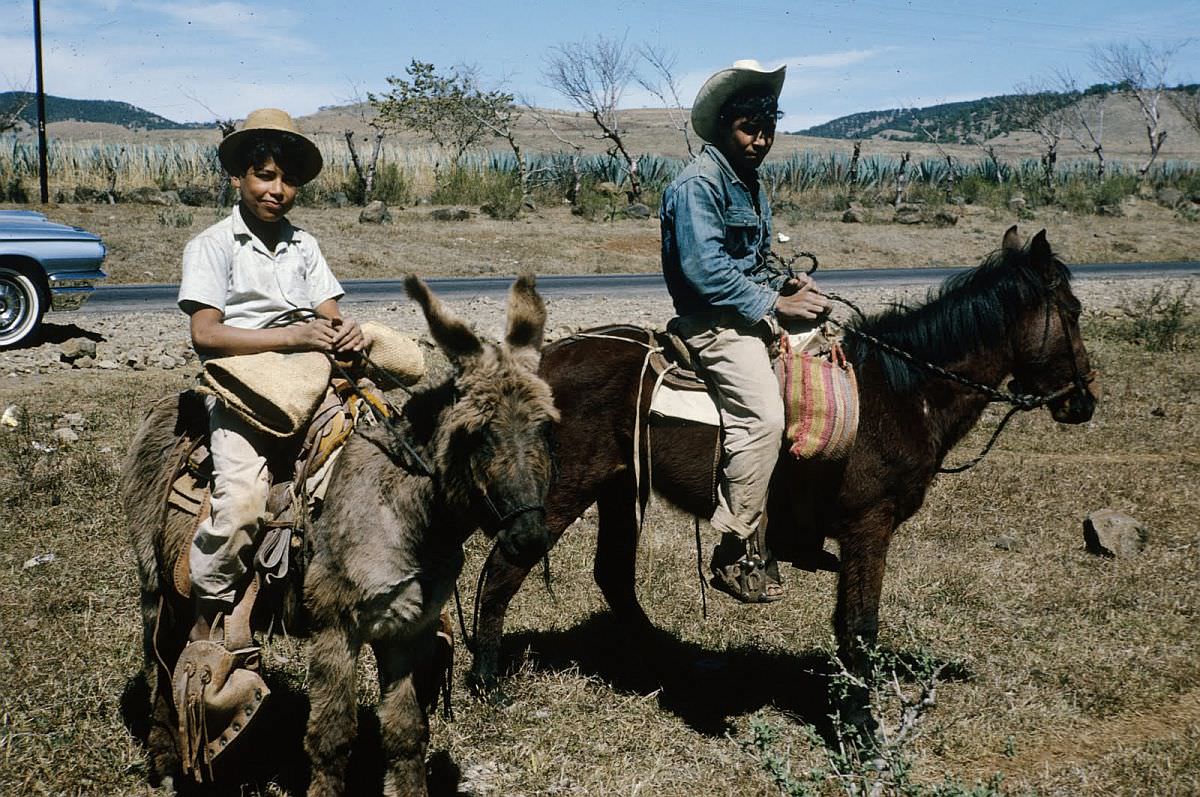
column 863, row 546
column 403, row 724
column 333, row 712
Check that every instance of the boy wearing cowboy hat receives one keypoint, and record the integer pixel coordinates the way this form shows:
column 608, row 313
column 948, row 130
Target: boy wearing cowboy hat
column 239, row 274
column 716, row 236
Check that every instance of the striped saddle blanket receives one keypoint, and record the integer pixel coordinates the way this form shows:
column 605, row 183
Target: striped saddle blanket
column 818, row 385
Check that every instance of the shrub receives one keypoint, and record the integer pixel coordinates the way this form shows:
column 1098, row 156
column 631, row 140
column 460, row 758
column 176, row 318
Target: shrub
column 1162, row 321
column 391, row 185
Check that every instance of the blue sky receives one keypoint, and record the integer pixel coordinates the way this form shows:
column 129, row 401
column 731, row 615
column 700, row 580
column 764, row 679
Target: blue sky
column 190, row 60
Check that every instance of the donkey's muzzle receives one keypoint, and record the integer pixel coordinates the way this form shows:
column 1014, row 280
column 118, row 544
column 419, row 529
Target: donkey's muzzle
column 525, row 540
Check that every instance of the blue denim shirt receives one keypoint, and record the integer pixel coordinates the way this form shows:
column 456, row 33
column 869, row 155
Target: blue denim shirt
column 713, row 240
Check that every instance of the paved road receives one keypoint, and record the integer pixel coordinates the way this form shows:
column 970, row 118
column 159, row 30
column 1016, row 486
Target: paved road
column 140, row 298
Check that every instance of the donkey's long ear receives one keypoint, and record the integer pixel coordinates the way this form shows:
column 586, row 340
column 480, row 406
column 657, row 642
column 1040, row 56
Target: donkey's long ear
column 526, row 321
column 457, row 340
column 1012, row 239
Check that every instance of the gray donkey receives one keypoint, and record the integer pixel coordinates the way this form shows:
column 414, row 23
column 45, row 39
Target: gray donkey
column 382, row 557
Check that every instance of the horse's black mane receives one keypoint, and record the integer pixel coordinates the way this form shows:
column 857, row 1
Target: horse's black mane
column 969, row 312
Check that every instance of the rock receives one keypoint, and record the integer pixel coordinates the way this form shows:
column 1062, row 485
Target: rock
column 75, row 348
column 84, row 362
column 107, row 365
column 907, row 214
column 1004, row 543
column 87, row 196
column 339, row 199
column 607, row 188
column 637, row 210
column 196, row 196
column 944, row 218
column 1109, row 210
column 64, row 435
column 1107, row 532
column 1169, row 196
column 134, row 359
column 12, row 416
column 854, row 215
column 450, row 214
column 1145, row 191
column 152, row 196
column 1017, row 203
column 73, row 420
column 375, row 213
column 166, row 362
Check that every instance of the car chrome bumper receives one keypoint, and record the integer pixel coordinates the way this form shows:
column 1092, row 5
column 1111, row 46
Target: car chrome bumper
column 70, row 290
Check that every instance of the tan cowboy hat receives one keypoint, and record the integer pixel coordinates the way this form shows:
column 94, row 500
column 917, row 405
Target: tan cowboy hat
column 742, row 76
column 270, row 119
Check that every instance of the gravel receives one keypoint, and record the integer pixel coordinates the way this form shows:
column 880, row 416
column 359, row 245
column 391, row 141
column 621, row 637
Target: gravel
column 160, row 340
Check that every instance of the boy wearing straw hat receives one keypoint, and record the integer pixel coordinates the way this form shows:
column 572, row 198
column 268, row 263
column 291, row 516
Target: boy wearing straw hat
column 238, row 275
column 716, row 236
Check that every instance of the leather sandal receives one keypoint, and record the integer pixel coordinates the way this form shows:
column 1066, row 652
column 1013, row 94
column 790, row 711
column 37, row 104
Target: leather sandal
column 743, row 575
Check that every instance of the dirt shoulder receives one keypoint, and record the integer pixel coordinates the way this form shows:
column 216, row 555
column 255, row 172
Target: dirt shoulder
column 146, row 246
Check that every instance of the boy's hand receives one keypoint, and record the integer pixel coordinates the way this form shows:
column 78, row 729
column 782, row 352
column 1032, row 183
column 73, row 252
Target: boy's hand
column 799, row 298
column 316, row 335
column 349, row 336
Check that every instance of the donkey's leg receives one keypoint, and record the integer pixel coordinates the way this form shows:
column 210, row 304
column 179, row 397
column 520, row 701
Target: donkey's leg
column 332, row 716
column 161, row 749
column 403, row 725
column 864, row 546
column 616, row 550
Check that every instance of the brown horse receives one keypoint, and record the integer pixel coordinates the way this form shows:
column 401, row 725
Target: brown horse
column 382, row 557
column 1013, row 315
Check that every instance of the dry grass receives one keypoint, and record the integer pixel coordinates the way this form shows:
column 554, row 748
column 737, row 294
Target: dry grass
column 1071, row 674
column 553, row 241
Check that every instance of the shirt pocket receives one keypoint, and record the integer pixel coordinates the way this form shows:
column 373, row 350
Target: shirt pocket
column 292, row 271
column 741, row 232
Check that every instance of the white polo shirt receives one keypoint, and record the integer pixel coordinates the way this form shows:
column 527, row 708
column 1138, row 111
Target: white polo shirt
column 229, row 268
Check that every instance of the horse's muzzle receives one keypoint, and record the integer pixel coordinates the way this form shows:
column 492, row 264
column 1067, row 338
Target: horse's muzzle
column 1078, row 405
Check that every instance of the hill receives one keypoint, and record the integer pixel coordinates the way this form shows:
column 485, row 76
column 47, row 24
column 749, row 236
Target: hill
column 951, row 122
column 62, row 109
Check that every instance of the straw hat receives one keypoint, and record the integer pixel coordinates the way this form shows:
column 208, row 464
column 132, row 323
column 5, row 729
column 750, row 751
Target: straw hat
column 742, row 76
column 395, row 358
column 274, row 392
column 270, row 119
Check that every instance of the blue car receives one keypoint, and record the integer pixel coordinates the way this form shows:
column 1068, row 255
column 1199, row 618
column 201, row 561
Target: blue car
column 43, row 265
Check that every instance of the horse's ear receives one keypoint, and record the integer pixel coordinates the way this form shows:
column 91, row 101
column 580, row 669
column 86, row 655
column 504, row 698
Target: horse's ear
column 1039, row 251
column 526, row 321
column 1012, row 239
column 457, row 339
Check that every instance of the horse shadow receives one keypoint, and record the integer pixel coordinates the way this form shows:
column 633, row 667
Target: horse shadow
column 704, row 688
column 271, row 749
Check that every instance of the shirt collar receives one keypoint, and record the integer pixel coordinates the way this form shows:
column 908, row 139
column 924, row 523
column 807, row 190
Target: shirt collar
column 286, row 233
column 723, row 164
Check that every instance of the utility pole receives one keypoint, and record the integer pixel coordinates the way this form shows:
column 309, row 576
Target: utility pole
column 41, row 100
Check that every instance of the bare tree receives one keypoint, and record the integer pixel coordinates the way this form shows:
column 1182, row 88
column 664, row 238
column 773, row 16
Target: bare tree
column 1085, row 116
column 1036, row 107
column 576, row 150
column 1186, row 100
column 664, row 86
column 364, row 171
column 1140, row 71
column 11, row 109
column 593, row 74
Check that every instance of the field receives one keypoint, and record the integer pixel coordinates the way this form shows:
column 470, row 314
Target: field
column 1065, row 673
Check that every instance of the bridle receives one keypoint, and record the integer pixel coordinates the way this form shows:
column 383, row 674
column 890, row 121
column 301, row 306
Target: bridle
column 1018, row 401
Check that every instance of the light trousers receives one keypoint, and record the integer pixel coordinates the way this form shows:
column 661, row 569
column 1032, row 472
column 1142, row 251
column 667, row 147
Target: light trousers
column 224, row 543
column 734, row 360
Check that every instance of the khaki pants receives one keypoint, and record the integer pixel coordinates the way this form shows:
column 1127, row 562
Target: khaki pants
column 734, row 360
column 224, row 542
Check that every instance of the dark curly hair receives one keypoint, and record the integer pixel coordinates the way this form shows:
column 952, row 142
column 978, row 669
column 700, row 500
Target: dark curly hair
column 287, row 150
column 761, row 107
